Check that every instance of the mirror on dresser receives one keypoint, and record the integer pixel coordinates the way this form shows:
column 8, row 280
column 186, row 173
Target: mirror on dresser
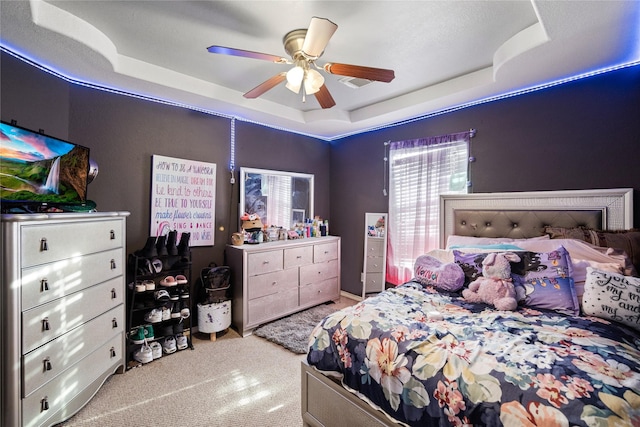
column 279, row 198
column 375, row 253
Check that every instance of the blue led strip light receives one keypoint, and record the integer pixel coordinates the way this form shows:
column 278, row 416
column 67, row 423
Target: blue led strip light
column 232, row 147
column 337, row 137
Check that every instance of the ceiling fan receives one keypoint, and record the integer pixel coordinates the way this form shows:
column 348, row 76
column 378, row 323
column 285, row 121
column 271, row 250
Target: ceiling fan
column 305, row 46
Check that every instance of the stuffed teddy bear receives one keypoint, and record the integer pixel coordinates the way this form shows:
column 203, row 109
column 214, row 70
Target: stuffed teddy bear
column 495, row 287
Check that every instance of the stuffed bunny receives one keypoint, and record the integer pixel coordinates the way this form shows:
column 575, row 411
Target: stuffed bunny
column 495, row 287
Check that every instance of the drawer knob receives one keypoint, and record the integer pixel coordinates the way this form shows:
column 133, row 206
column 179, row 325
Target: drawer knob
column 274, row 283
column 265, row 262
column 112, row 235
column 47, row 365
column 113, row 293
column 43, row 245
column 113, row 264
column 112, row 352
column 44, row 285
column 114, row 323
column 299, row 256
column 44, row 404
column 45, row 324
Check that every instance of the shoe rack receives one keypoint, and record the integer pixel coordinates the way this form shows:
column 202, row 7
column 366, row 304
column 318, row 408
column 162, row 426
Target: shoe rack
column 159, row 299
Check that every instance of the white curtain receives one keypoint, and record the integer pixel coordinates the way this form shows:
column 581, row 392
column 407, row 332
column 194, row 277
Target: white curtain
column 420, row 171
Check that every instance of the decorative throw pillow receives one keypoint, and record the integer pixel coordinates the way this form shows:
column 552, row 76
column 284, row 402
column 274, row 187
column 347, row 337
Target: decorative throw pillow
column 612, row 296
column 444, row 276
column 626, row 240
column 548, row 281
column 542, row 279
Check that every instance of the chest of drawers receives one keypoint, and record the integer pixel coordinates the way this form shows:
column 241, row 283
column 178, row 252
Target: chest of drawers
column 63, row 322
column 273, row 280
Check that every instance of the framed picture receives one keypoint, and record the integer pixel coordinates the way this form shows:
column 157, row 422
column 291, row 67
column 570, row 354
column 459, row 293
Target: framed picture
column 297, row 216
column 183, row 198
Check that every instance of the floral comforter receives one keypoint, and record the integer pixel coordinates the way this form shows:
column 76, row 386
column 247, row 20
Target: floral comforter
column 478, row 366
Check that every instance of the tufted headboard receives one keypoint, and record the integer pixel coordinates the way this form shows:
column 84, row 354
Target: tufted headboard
column 525, row 214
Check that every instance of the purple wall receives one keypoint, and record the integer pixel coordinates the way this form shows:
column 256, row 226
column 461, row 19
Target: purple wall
column 580, row 135
column 584, row 134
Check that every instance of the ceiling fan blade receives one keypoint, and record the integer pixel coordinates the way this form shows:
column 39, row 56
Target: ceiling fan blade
column 318, row 34
column 377, row 74
column 247, row 54
column 265, row 86
column 324, row 97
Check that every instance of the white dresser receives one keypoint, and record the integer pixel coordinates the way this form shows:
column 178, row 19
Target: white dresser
column 272, row 280
column 63, row 317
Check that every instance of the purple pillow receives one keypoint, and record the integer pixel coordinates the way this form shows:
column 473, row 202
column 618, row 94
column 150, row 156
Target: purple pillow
column 431, row 271
column 542, row 279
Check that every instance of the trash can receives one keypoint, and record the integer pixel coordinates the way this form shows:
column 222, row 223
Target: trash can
column 214, row 317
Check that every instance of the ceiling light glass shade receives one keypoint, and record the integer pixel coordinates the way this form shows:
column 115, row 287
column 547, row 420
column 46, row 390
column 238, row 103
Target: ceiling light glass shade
column 294, row 79
column 313, row 82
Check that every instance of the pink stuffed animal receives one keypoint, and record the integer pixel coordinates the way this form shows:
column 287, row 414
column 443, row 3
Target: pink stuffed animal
column 495, row 287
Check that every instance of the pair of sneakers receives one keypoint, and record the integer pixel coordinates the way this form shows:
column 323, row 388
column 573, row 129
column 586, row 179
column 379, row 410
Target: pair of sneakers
column 139, row 334
column 144, row 354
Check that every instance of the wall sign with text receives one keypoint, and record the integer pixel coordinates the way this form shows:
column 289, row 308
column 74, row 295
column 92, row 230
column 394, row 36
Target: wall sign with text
column 183, row 198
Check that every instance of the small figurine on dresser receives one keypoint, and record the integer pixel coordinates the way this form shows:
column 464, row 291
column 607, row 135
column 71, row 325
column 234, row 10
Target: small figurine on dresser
column 252, row 227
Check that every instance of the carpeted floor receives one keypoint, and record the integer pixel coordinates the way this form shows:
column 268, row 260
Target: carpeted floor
column 233, row 381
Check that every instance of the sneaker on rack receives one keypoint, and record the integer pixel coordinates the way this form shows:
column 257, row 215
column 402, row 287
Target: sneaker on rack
column 181, row 342
column 184, row 309
column 169, row 345
column 156, row 350
column 178, row 328
column 181, row 279
column 140, row 286
column 173, row 296
column 175, row 310
column 136, row 335
column 184, row 293
column 144, row 354
column 153, row 316
column 161, row 295
column 166, row 313
column 148, row 332
column 149, row 285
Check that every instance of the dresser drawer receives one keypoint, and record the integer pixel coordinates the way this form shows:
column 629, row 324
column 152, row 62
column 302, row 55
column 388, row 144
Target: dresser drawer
column 375, row 264
column 270, row 283
column 47, row 282
column 265, row 262
column 375, row 247
column 47, row 243
column 58, row 392
column 317, row 272
column 46, row 362
column 271, row 306
column 48, row 321
column 319, row 292
column 325, row 252
column 295, row 257
column 375, row 281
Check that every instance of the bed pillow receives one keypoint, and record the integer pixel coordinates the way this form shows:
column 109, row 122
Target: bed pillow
column 612, row 296
column 542, row 279
column 548, row 281
column 444, row 276
column 455, row 240
column 625, row 240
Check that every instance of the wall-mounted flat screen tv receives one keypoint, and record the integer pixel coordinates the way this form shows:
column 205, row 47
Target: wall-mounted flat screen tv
column 38, row 171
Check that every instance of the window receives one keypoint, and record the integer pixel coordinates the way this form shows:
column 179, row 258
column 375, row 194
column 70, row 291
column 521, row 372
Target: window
column 419, row 172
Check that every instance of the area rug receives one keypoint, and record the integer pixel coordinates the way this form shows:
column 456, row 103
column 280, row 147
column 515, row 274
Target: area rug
column 293, row 332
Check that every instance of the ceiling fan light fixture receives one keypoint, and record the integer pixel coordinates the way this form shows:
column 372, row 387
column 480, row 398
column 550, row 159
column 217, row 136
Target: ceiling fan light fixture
column 313, row 81
column 294, row 79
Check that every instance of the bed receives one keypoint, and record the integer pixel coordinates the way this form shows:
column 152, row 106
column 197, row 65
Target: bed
column 568, row 355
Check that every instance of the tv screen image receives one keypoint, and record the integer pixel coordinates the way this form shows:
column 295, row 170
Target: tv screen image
column 36, row 169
